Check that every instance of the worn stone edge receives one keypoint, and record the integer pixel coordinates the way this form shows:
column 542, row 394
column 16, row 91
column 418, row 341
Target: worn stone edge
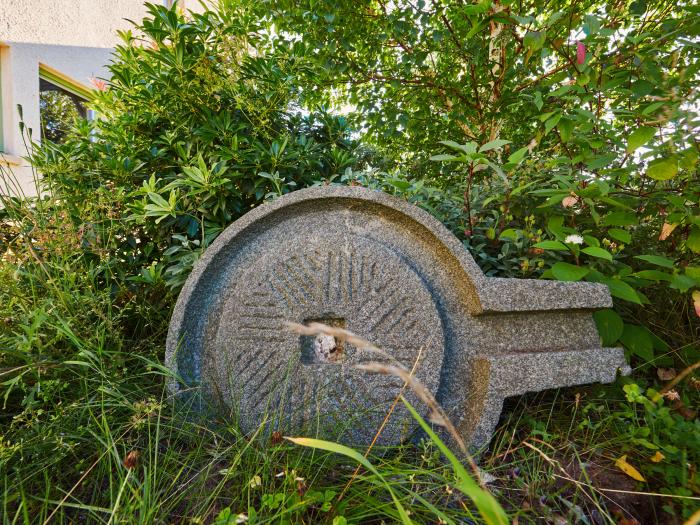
column 509, row 375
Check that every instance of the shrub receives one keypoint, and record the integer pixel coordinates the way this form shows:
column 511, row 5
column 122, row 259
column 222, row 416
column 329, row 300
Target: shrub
column 197, row 125
column 574, row 122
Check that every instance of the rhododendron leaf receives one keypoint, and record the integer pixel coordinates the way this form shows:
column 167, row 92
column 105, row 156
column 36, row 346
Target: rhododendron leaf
column 551, row 245
column 638, row 341
column 693, row 240
column 653, row 275
column 620, row 218
column 622, row 290
column 682, row 283
column 494, row 144
column 620, row 235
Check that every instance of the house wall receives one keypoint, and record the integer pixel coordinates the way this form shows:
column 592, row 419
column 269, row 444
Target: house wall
column 73, row 37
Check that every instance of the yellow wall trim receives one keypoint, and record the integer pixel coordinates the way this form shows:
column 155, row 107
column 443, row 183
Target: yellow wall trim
column 64, row 81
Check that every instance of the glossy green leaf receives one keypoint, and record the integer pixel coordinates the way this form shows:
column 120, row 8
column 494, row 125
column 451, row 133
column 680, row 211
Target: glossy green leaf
column 468, row 148
column 682, row 283
column 552, row 245
column 637, row 339
column 620, row 235
column 569, row 272
column 622, row 290
column 565, row 128
column 653, row 275
column 597, row 252
column 551, row 122
column 693, row 272
column 663, row 169
column 656, row 260
column 534, row 40
column 610, row 326
column 494, row 144
column 509, row 233
column 639, row 137
column 518, row 155
column 444, row 157
column 693, row 240
column 620, row 218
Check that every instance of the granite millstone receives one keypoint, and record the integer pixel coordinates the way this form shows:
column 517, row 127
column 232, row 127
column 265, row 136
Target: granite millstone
column 384, row 269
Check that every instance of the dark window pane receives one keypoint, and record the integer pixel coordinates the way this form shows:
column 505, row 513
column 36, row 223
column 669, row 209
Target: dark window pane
column 58, row 109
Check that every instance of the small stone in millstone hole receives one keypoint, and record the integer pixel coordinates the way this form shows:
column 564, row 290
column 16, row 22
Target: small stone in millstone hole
column 326, row 349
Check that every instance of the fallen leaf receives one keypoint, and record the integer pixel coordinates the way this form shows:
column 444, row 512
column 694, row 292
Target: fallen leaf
column 628, row 469
column 696, row 302
column 627, row 521
column 687, row 413
column 666, row 230
column 255, row 482
column 132, row 459
column 672, row 395
column 665, row 374
column 658, row 457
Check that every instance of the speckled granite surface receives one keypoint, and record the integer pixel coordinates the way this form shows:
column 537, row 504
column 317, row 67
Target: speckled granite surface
column 388, row 271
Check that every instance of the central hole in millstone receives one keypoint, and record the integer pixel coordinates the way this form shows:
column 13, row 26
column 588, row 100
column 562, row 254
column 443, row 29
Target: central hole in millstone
column 322, row 349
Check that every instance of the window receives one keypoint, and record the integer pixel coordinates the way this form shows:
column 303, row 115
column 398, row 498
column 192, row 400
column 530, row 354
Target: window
column 2, row 143
column 61, row 101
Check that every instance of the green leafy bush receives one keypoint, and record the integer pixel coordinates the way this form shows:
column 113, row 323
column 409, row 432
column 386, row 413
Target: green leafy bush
column 563, row 145
column 586, row 115
column 198, row 124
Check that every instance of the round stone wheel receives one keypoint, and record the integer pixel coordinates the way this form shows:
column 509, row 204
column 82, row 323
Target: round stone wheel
column 326, row 255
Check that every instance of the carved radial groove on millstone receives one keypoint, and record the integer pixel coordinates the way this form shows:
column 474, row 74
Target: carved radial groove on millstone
column 377, row 266
column 339, row 286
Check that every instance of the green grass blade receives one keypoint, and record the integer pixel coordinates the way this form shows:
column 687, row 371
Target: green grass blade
column 487, row 505
column 337, row 448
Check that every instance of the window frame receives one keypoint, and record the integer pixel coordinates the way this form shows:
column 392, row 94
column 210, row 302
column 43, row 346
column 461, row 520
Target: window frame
column 2, row 121
column 65, row 82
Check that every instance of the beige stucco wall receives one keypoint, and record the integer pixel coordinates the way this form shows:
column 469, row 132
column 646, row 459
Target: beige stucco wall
column 74, row 37
column 88, row 23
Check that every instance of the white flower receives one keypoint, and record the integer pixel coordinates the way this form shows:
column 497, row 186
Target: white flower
column 573, row 239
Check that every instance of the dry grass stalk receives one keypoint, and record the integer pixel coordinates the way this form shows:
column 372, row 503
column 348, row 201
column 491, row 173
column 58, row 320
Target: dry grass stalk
column 381, row 427
column 679, row 377
column 437, row 415
column 338, row 333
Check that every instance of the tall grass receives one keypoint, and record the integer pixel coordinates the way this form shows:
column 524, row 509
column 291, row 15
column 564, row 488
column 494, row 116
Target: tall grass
column 88, row 433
